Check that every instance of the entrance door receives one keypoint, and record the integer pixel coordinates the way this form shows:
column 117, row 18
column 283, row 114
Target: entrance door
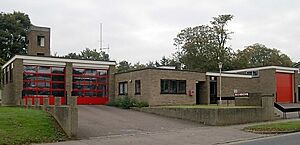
column 298, row 93
column 284, row 88
column 199, row 92
column 213, row 92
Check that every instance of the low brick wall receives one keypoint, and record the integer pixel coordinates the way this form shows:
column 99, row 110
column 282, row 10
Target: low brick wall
column 219, row 116
column 66, row 115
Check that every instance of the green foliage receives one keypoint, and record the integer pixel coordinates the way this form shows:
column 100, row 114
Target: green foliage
column 124, row 65
column 13, row 34
column 26, row 126
column 291, row 126
column 259, row 55
column 127, row 102
column 91, row 54
column 203, row 47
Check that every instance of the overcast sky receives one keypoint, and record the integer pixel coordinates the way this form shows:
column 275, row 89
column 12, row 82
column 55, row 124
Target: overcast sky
column 143, row 30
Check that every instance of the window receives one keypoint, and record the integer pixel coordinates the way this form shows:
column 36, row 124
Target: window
column 123, row 88
column 43, row 81
column 2, row 77
column 11, row 72
column 173, row 86
column 41, row 40
column 6, row 75
column 137, row 87
column 90, row 82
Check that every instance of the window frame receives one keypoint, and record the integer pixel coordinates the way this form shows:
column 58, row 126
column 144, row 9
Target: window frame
column 170, row 83
column 86, row 85
column 36, row 89
column 41, row 41
column 125, row 89
column 137, row 87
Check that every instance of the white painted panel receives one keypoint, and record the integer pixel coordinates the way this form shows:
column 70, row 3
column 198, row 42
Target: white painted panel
column 44, row 63
column 285, row 71
column 92, row 66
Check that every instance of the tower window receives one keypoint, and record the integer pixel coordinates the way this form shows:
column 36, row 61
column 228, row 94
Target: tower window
column 41, row 41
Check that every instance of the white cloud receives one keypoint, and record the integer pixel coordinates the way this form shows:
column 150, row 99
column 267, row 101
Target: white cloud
column 142, row 30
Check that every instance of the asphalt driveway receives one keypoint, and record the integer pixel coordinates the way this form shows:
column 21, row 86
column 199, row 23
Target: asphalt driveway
column 103, row 125
column 97, row 121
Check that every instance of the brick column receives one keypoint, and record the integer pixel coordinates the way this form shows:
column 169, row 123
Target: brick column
column 69, row 80
column 111, row 71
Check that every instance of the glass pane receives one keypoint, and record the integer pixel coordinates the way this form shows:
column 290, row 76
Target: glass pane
column 44, row 77
column 102, row 80
column 58, row 70
column 58, row 93
column 58, row 78
column 102, row 87
column 91, row 79
column 77, row 79
column 29, row 92
column 90, row 94
column 31, row 69
column 44, row 69
column 29, row 84
column 165, row 86
column 77, row 86
column 77, row 93
column 29, row 76
column 42, row 92
column 182, row 87
column 90, row 72
column 78, row 71
column 58, row 86
column 173, row 88
column 102, row 72
column 101, row 94
column 43, row 84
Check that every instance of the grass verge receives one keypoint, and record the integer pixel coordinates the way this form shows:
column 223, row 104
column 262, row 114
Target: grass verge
column 26, row 126
column 281, row 127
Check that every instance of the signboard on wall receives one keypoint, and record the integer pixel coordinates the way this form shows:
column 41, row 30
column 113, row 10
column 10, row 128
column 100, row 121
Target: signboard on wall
column 241, row 94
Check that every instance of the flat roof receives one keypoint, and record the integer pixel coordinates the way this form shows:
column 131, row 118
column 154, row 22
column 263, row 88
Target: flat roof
column 155, row 68
column 228, row 75
column 58, row 59
column 264, row 68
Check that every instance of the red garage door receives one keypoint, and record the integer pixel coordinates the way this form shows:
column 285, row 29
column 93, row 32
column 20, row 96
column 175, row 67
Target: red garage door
column 284, row 86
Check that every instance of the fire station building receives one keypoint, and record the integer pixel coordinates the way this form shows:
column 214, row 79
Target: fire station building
column 39, row 75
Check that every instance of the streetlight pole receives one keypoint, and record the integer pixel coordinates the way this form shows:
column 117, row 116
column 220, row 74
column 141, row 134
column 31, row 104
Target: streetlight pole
column 220, row 67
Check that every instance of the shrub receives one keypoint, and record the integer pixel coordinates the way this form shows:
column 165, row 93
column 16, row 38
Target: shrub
column 141, row 104
column 127, row 102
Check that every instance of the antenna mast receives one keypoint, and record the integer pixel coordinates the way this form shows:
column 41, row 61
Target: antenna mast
column 101, row 41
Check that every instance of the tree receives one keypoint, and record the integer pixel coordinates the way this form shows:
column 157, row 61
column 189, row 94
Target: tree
column 138, row 65
column 257, row 55
column 164, row 61
column 13, row 34
column 203, row 47
column 91, row 54
column 123, row 66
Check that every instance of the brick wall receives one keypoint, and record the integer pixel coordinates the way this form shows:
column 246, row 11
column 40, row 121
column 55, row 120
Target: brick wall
column 229, row 84
column 150, row 85
column 12, row 92
column 33, row 47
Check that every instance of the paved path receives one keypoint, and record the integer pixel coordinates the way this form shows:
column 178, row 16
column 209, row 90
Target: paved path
column 112, row 126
